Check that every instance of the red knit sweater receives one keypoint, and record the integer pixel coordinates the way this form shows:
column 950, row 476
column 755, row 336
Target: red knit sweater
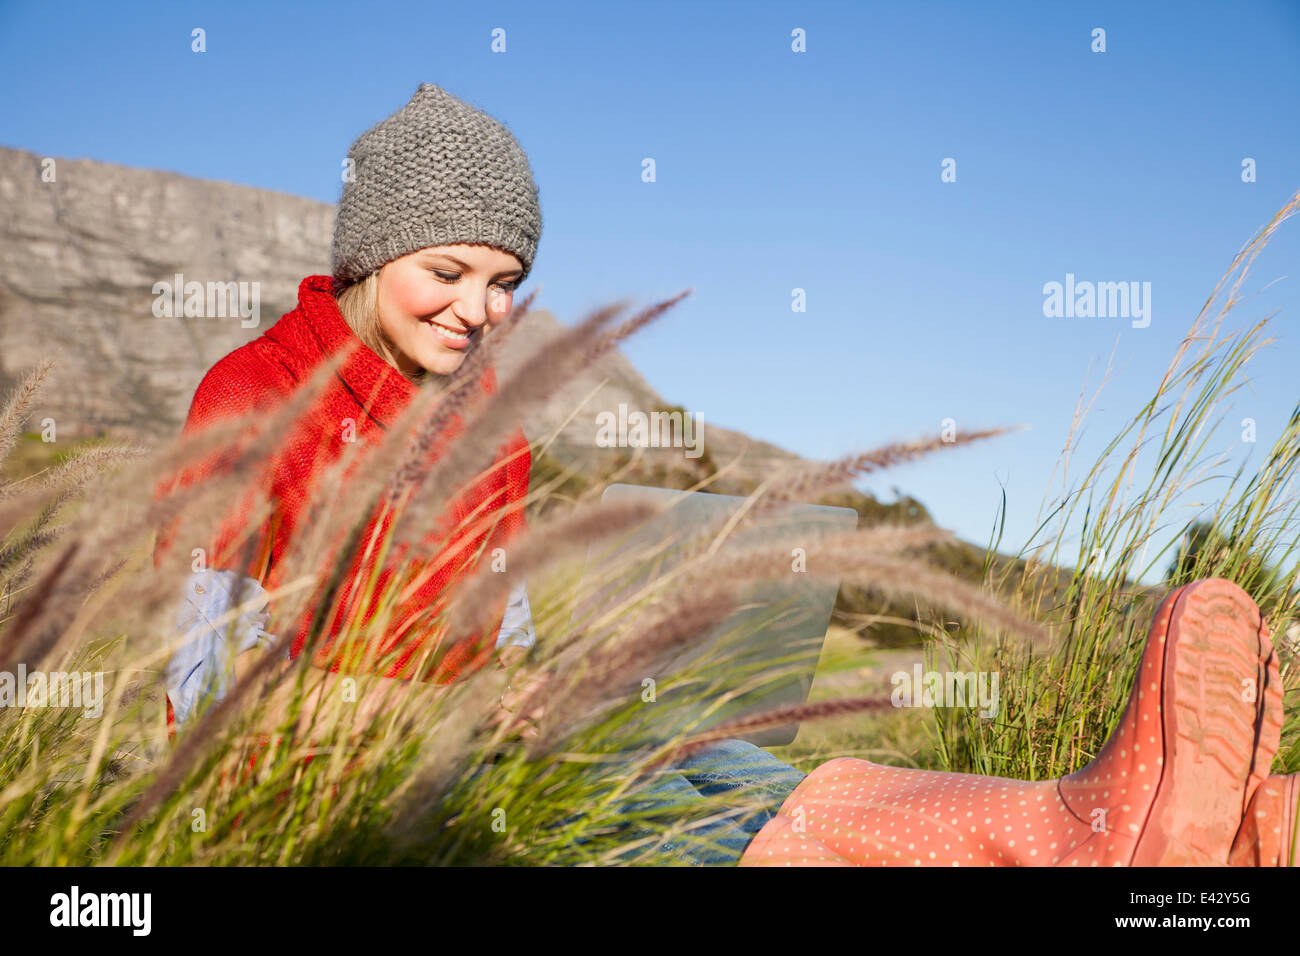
column 362, row 400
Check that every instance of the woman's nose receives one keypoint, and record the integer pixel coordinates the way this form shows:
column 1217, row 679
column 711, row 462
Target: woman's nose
column 471, row 311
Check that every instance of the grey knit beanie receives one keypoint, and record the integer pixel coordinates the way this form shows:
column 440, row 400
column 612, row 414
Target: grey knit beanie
column 436, row 172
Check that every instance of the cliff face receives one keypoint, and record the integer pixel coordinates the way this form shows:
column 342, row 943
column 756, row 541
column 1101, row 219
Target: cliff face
column 79, row 258
column 84, row 245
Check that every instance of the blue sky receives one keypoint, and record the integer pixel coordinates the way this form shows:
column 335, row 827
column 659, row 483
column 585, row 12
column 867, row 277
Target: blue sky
column 776, row 171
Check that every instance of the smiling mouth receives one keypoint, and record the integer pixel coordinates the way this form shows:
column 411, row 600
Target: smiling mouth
column 459, row 336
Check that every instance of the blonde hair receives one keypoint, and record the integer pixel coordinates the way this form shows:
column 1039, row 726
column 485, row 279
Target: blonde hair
column 359, row 303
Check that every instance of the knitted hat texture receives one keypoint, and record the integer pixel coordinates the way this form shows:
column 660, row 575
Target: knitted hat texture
column 436, row 172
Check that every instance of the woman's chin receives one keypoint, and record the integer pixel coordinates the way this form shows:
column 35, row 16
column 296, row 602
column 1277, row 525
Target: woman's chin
column 443, row 363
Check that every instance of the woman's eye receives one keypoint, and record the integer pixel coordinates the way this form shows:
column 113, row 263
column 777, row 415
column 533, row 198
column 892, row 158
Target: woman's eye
column 505, row 287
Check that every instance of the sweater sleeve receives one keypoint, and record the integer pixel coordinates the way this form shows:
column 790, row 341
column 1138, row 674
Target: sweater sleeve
column 242, row 383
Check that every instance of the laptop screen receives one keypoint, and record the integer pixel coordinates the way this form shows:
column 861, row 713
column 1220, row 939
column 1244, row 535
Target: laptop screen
column 760, row 656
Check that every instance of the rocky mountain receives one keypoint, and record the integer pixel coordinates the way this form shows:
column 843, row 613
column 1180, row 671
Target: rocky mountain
column 90, row 251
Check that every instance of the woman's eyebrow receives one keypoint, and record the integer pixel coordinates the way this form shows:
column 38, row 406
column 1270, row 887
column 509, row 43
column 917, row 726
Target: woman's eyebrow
column 464, row 265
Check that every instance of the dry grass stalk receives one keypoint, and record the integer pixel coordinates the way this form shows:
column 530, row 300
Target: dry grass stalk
column 806, row 483
column 776, row 717
column 542, row 546
column 587, row 684
column 19, row 406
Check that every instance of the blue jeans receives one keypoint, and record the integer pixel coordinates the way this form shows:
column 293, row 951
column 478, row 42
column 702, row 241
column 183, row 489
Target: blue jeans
column 757, row 782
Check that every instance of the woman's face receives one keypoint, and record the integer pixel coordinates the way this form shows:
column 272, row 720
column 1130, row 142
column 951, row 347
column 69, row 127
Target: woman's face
column 435, row 305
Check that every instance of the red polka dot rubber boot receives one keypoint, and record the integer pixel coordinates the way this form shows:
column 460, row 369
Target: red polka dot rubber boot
column 1170, row 787
column 855, row 812
column 1271, row 827
column 1173, row 783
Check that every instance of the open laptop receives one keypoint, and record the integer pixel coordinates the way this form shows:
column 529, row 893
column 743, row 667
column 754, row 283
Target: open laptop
column 762, row 656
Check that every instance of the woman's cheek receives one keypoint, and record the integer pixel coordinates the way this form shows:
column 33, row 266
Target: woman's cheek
column 426, row 302
column 417, row 296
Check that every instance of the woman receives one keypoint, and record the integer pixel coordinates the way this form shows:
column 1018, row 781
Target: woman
column 436, row 229
column 437, row 226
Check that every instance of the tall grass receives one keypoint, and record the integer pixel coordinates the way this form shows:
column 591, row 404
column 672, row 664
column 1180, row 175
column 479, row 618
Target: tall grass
column 1060, row 703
